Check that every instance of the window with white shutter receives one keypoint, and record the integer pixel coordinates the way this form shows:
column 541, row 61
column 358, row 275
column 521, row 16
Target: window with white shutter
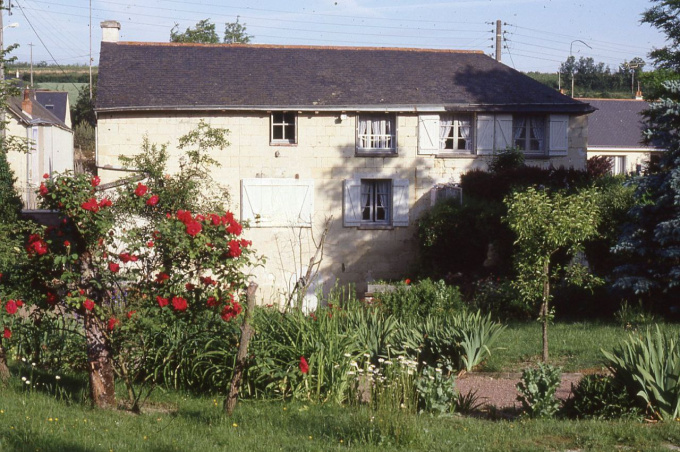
column 428, row 134
column 559, row 128
column 274, row 202
column 375, row 202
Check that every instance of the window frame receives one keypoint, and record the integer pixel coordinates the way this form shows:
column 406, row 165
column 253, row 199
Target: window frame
column 529, row 134
column 391, row 119
column 282, row 124
column 370, row 208
column 399, row 202
column 456, row 120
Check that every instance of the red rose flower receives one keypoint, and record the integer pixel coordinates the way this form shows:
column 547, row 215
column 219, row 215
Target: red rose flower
column 20, row 303
column 130, row 314
column 106, row 202
column 245, row 243
column 81, row 291
column 149, row 244
column 67, row 243
column 304, row 367
column 11, row 307
column 162, row 302
column 234, row 228
column 200, row 217
column 88, row 304
column 208, row 281
column 7, row 333
column 91, row 205
column 152, row 201
column 141, row 189
column 212, row 302
column 188, row 286
column 51, row 298
column 234, row 248
column 112, row 323
column 228, row 218
column 407, row 281
column 215, row 219
column 194, row 228
column 161, row 277
column 43, row 189
column 46, row 176
column 95, row 181
column 179, row 303
column 113, row 267
column 184, row 216
column 36, row 245
column 231, row 310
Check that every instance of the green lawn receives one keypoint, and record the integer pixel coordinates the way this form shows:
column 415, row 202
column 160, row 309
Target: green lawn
column 574, row 346
column 37, row 420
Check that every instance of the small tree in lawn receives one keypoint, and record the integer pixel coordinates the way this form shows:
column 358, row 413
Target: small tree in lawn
column 143, row 252
column 546, row 224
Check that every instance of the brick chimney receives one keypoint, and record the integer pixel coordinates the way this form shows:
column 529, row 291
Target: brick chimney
column 110, row 31
column 27, row 104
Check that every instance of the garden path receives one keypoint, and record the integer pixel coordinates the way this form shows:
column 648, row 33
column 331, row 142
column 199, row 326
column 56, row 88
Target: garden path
column 499, row 389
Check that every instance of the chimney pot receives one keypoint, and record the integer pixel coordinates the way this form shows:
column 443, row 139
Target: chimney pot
column 110, row 31
column 27, row 104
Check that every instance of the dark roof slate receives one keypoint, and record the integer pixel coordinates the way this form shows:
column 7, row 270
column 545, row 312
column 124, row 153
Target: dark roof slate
column 40, row 114
column 616, row 123
column 158, row 76
column 57, row 100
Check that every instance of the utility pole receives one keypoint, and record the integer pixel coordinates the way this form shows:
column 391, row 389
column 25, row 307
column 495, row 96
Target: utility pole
column 90, row 50
column 31, row 46
column 2, row 73
column 499, row 36
column 574, row 62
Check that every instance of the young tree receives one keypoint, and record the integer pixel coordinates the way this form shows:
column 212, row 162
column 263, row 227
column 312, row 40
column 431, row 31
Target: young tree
column 544, row 225
column 203, row 33
column 235, row 33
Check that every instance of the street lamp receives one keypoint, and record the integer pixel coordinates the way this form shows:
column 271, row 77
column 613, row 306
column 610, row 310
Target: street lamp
column 2, row 67
column 572, row 67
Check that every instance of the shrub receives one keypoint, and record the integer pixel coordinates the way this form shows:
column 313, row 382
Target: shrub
column 507, row 159
column 537, row 390
column 421, row 299
column 601, row 397
column 649, row 366
column 436, row 392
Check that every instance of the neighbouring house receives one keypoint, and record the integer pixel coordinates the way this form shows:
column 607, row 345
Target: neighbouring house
column 49, row 144
column 615, row 131
column 359, row 134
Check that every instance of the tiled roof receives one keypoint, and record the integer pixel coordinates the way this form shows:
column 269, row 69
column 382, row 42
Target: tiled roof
column 40, row 115
column 616, row 123
column 158, row 76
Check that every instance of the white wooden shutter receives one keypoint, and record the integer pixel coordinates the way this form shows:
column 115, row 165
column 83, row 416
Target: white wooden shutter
column 559, row 141
column 503, row 135
column 351, row 202
column 277, row 202
column 485, row 134
column 428, row 134
column 400, row 202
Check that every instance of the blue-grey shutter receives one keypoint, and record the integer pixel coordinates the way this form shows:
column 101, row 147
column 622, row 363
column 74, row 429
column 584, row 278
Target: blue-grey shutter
column 485, row 126
column 400, row 202
column 559, row 141
column 503, row 135
column 351, row 214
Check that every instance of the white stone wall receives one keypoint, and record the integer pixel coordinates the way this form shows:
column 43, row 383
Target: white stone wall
column 325, row 152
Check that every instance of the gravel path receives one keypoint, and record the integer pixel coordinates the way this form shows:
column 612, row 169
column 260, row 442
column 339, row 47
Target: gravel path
column 499, row 389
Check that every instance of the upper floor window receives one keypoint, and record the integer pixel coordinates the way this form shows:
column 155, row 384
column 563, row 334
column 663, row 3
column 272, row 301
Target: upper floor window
column 455, row 133
column 376, row 134
column 284, row 127
column 529, row 133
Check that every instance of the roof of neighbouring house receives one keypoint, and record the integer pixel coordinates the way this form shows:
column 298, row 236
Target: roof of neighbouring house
column 39, row 114
column 161, row 76
column 54, row 101
column 617, row 123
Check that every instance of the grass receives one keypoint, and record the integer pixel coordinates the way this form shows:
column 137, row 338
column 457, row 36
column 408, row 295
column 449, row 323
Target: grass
column 575, row 346
column 54, row 415
column 35, row 421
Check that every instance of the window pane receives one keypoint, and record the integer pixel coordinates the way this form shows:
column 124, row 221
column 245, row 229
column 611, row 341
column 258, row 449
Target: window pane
column 290, row 132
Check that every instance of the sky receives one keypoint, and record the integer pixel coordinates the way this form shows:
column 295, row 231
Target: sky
column 537, row 35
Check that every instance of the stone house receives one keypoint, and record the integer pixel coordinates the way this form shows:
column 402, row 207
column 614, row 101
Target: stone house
column 50, row 144
column 615, row 130
column 359, row 134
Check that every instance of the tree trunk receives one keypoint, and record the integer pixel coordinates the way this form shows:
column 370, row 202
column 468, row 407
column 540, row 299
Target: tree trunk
column 99, row 364
column 4, row 369
column 241, row 357
column 544, row 308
